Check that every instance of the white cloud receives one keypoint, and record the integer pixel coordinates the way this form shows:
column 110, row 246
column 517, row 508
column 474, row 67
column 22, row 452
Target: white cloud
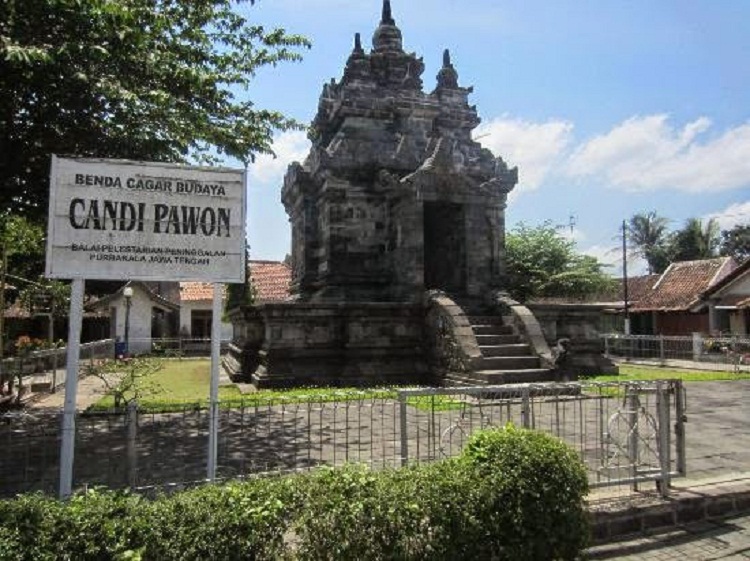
column 289, row 146
column 647, row 153
column 611, row 256
column 571, row 233
column 606, row 254
column 536, row 148
column 737, row 213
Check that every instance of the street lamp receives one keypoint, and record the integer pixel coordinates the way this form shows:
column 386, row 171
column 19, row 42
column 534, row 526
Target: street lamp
column 128, row 294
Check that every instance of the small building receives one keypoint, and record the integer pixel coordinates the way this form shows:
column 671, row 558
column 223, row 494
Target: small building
column 142, row 312
column 196, row 305
column 170, row 310
column 672, row 303
column 728, row 302
column 269, row 280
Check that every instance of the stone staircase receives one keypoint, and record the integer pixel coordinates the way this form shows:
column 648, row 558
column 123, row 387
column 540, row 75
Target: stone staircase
column 505, row 357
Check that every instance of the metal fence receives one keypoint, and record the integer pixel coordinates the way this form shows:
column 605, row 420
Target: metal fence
column 44, row 370
column 730, row 353
column 182, row 346
column 626, row 433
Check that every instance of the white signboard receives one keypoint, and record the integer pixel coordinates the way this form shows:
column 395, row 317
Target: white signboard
column 119, row 219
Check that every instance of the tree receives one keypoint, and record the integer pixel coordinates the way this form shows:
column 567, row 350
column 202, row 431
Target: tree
column 540, row 262
column 21, row 247
column 241, row 294
column 22, row 244
column 137, row 79
column 696, row 240
column 650, row 238
column 735, row 242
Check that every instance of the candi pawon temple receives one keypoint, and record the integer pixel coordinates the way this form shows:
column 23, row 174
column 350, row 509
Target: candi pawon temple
column 398, row 226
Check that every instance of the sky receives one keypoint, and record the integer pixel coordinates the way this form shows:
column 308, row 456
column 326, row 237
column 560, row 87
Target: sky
column 608, row 108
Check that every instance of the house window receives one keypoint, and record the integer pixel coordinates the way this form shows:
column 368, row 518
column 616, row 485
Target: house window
column 200, row 324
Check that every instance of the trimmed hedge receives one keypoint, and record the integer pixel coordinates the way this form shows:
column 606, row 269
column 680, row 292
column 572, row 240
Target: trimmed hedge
column 513, row 494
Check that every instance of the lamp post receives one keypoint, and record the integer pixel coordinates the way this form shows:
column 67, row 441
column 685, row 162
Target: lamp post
column 128, row 294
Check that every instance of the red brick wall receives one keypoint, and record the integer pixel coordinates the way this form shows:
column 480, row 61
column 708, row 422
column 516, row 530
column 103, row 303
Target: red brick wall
column 681, row 323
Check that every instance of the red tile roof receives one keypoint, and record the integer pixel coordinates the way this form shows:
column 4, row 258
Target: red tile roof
column 681, row 285
column 640, row 287
column 271, row 280
column 196, row 291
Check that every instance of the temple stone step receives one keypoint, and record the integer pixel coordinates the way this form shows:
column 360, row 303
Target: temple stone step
column 485, row 320
column 510, row 362
column 492, row 329
column 491, row 340
column 513, row 349
column 516, row 376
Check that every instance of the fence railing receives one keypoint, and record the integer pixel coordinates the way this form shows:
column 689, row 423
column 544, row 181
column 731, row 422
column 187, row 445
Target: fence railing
column 182, row 346
column 723, row 353
column 45, row 369
column 626, row 433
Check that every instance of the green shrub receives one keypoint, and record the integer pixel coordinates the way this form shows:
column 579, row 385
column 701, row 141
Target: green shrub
column 237, row 520
column 21, row 521
column 532, row 488
column 513, row 494
column 91, row 525
column 355, row 513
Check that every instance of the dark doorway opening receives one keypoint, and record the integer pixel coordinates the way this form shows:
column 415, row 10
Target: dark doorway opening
column 444, row 247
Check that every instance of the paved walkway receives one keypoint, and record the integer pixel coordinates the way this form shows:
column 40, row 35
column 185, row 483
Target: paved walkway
column 686, row 365
column 725, row 539
column 90, row 390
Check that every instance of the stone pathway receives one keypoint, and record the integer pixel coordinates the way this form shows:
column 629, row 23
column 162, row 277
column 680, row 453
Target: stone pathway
column 90, row 390
column 725, row 539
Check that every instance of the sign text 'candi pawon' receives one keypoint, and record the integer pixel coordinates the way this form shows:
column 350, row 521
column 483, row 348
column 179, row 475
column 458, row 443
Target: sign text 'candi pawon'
column 123, row 216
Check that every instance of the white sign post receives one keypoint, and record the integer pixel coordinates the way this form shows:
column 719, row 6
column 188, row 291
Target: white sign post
column 125, row 220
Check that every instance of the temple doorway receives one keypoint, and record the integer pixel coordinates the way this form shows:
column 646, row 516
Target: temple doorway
column 444, row 247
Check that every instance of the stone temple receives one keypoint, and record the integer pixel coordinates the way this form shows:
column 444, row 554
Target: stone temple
column 398, row 222
column 395, row 197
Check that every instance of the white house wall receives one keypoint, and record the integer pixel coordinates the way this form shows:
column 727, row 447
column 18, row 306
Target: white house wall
column 740, row 287
column 186, row 309
column 140, row 322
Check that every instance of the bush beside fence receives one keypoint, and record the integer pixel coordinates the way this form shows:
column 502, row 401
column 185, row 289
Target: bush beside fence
column 513, row 494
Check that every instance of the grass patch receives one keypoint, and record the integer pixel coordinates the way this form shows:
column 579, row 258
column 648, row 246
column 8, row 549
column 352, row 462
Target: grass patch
column 177, row 384
column 645, row 373
column 184, row 384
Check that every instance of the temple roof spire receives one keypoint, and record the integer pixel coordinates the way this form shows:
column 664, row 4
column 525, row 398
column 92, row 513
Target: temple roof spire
column 387, row 36
column 387, row 17
column 358, row 44
column 447, row 77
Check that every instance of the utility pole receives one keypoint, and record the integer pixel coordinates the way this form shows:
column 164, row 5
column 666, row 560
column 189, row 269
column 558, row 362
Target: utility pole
column 625, row 275
column 2, row 300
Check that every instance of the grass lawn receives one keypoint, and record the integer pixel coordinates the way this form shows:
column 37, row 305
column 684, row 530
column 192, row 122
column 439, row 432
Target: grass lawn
column 178, row 383
column 185, row 383
column 634, row 372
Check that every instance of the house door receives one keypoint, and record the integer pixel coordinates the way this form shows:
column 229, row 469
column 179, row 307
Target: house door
column 113, row 334
column 444, row 247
